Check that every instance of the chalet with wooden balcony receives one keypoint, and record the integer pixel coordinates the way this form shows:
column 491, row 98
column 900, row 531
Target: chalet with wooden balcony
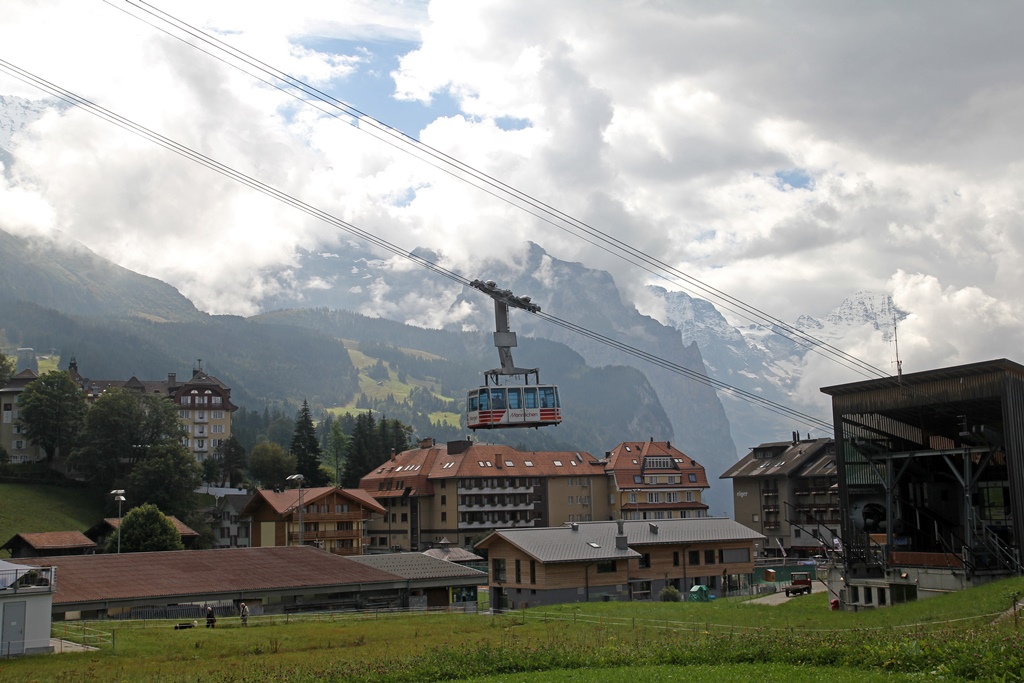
column 327, row 517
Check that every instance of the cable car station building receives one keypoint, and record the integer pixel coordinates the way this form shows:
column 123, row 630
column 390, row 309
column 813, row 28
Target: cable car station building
column 931, row 482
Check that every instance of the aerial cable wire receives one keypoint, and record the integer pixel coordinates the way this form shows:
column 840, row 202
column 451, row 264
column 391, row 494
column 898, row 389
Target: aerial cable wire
column 505, row 192
column 233, row 174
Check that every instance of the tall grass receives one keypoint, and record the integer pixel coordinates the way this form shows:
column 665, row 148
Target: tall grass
column 954, row 637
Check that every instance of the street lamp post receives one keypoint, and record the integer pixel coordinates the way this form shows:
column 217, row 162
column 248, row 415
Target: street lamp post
column 118, row 495
column 298, row 478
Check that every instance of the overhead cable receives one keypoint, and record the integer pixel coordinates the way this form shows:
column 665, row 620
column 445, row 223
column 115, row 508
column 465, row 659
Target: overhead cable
column 494, row 187
column 281, row 196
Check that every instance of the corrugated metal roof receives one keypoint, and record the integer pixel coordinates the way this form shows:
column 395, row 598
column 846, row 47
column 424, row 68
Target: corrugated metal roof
column 53, row 540
column 418, row 566
column 788, row 462
column 596, row 540
column 191, row 573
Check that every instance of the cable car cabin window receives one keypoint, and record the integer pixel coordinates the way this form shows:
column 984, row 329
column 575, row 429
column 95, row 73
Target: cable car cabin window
column 515, row 399
column 484, row 403
column 497, row 399
column 548, row 397
column 474, row 402
column 530, row 397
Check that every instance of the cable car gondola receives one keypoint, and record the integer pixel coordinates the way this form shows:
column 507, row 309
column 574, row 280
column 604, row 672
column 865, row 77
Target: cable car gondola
column 493, row 406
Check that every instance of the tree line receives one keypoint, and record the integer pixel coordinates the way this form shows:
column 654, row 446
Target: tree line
column 132, row 441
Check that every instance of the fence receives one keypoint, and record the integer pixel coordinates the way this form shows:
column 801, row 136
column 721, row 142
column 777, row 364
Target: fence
column 75, row 636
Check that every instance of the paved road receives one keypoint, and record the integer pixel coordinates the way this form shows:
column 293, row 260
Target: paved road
column 771, row 599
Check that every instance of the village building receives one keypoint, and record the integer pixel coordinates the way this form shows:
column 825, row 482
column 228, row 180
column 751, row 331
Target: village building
column 203, row 402
column 278, row 580
column 49, row 543
column 617, row 560
column 229, row 529
column 12, row 434
column 458, row 492
column 654, row 480
column 787, row 490
column 462, row 490
column 326, row 517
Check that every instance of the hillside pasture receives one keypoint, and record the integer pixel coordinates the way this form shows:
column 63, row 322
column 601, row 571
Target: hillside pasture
column 30, row 508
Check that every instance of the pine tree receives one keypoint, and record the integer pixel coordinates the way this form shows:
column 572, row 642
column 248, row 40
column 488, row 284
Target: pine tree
column 306, row 448
column 364, row 450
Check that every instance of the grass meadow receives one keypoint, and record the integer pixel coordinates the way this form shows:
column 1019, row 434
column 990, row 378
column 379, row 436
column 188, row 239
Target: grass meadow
column 29, row 508
column 972, row 635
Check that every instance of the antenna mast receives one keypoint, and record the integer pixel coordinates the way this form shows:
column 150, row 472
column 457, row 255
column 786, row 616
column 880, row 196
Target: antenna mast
column 896, row 341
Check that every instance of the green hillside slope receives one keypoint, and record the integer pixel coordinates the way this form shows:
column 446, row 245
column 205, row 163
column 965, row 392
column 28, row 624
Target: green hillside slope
column 28, row 508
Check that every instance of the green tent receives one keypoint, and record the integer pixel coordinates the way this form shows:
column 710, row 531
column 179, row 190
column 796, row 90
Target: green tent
column 699, row 594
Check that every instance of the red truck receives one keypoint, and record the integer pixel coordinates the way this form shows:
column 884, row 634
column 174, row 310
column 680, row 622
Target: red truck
column 799, row 583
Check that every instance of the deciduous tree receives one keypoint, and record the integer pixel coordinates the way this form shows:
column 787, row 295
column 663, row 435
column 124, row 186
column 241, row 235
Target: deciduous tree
column 145, row 529
column 168, row 478
column 121, row 428
column 7, row 367
column 52, row 411
column 270, row 465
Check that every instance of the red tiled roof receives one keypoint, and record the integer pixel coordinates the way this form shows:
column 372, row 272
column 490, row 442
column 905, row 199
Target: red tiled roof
column 54, row 540
column 626, row 461
column 192, row 573
column 416, row 467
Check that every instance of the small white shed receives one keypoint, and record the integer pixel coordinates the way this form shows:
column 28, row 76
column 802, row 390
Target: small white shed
column 26, row 604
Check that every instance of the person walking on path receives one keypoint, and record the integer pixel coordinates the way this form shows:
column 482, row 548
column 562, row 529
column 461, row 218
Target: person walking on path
column 243, row 613
column 211, row 618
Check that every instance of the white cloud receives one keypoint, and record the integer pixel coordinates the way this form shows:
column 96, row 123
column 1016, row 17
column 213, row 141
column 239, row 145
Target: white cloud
column 674, row 127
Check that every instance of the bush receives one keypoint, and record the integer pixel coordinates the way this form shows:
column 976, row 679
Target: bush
column 669, row 594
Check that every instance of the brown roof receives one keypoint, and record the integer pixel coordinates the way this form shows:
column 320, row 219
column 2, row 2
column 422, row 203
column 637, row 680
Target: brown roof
column 183, row 529
column 53, row 540
column 411, row 471
column 286, row 500
column 627, row 460
column 195, row 573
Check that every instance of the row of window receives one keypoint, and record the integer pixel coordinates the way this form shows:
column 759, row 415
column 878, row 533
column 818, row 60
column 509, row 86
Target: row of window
column 671, row 479
column 662, row 514
column 200, row 414
column 200, row 430
column 660, row 496
column 194, row 399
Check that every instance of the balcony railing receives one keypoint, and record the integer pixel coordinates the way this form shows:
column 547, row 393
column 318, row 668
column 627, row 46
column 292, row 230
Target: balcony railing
column 323, row 535
column 327, row 516
column 494, row 489
column 497, row 524
column 28, row 580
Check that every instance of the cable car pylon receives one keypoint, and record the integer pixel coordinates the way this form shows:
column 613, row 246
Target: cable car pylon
column 509, row 406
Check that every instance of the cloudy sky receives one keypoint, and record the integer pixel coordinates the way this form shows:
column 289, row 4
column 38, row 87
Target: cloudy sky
column 789, row 154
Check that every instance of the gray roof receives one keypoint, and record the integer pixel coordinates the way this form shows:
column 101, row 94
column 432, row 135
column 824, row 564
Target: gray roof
column 789, row 460
column 589, row 541
column 456, row 554
column 417, row 566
